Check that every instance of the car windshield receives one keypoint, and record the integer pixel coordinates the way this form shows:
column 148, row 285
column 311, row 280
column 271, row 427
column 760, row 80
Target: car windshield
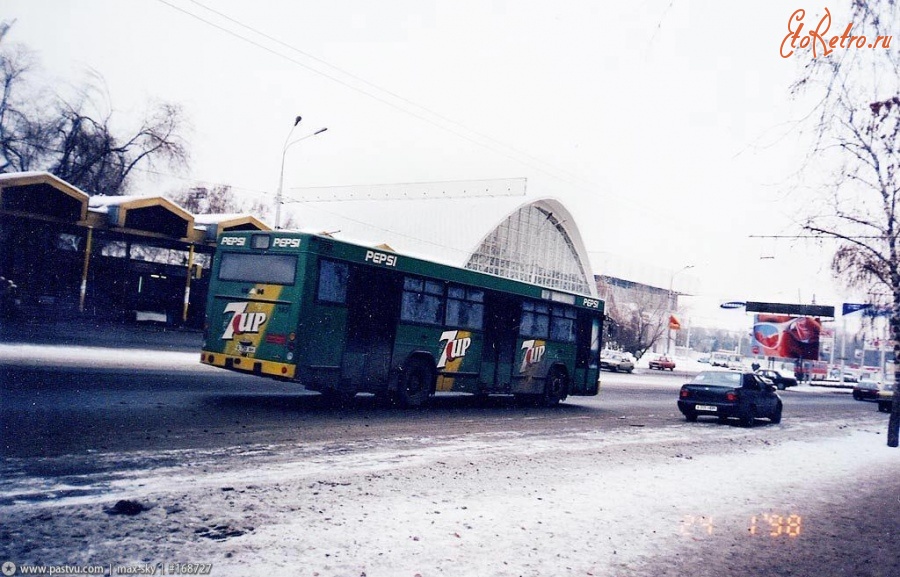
column 718, row 378
column 867, row 384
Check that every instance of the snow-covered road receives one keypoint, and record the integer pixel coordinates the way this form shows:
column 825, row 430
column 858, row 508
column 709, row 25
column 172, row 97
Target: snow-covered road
column 586, row 503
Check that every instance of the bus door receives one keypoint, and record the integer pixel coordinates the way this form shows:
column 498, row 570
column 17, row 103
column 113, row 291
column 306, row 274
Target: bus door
column 501, row 329
column 587, row 353
column 373, row 301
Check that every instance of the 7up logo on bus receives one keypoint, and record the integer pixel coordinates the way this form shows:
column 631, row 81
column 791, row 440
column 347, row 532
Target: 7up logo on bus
column 457, row 343
column 242, row 322
column 534, row 352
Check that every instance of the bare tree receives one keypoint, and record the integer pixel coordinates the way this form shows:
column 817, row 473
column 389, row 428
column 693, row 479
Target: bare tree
column 857, row 133
column 639, row 315
column 72, row 138
column 22, row 136
column 217, row 199
column 221, row 199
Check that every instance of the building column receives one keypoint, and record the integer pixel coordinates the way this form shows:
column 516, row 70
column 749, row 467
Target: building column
column 84, row 269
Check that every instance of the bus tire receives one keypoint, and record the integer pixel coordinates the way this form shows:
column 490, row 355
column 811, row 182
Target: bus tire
column 555, row 387
column 416, row 383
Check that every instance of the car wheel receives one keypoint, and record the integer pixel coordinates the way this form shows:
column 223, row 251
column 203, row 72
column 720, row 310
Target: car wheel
column 780, row 386
column 415, row 383
column 884, row 406
column 690, row 416
column 748, row 417
column 776, row 416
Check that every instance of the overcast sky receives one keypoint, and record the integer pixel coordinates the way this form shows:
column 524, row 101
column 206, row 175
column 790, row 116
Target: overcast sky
column 665, row 126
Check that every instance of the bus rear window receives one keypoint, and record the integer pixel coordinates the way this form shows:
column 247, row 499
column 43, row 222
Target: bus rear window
column 258, row 268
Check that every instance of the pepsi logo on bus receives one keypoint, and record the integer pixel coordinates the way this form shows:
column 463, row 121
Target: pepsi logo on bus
column 381, row 258
column 286, row 242
column 232, row 241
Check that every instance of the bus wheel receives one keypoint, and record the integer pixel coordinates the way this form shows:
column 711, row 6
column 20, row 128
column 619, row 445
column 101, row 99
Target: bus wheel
column 415, row 383
column 554, row 387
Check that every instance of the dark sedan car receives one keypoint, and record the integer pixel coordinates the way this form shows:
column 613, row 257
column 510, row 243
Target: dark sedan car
column 781, row 381
column 730, row 395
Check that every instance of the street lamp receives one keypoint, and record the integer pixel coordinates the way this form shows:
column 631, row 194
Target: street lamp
column 288, row 144
column 673, row 303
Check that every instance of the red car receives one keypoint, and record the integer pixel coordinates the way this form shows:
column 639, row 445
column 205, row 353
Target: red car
column 662, row 362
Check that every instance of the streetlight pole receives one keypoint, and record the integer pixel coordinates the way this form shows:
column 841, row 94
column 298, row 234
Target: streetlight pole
column 674, row 304
column 287, row 144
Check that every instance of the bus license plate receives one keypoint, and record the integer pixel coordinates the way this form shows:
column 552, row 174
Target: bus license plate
column 710, row 408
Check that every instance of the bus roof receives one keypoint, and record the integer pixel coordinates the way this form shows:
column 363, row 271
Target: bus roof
column 322, row 244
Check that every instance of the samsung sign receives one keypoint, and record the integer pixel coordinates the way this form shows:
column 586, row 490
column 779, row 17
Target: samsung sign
column 733, row 305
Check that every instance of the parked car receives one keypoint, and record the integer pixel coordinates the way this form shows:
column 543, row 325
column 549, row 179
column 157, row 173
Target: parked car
column 730, row 395
column 867, row 390
column 781, row 381
column 616, row 361
column 886, row 398
column 662, row 362
column 704, row 359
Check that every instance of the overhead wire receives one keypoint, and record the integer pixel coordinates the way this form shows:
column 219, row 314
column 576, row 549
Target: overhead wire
column 385, row 101
column 418, row 111
column 447, row 124
column 401, row 98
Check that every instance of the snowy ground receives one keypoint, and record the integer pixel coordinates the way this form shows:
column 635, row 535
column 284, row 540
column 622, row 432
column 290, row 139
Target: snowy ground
column 672, row 499
column 589, row 504
column 76, row 356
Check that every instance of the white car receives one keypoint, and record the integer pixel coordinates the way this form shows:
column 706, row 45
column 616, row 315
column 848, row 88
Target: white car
column 616, row 361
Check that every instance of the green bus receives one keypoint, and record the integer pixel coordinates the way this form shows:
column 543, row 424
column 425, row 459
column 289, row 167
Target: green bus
column 340, row 318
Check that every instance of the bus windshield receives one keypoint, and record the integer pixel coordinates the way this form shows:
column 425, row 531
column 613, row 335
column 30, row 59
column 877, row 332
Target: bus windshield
column 258, row 268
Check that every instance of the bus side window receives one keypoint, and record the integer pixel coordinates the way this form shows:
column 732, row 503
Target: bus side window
column 465, row 308
column 562, row 324
column 422, row 302
column 333, row 278
column 535, row 320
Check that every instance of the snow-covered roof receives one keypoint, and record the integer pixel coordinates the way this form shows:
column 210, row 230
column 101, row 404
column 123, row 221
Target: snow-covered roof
column 43, row 193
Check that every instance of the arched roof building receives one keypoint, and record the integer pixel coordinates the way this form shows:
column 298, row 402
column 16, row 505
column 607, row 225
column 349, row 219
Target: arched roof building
column 535, row 241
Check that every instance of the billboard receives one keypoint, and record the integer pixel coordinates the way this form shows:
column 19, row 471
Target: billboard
column 787, row 336
column 790, row 309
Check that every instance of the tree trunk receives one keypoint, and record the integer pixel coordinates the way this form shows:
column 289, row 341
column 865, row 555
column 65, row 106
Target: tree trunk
column 893, row 435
